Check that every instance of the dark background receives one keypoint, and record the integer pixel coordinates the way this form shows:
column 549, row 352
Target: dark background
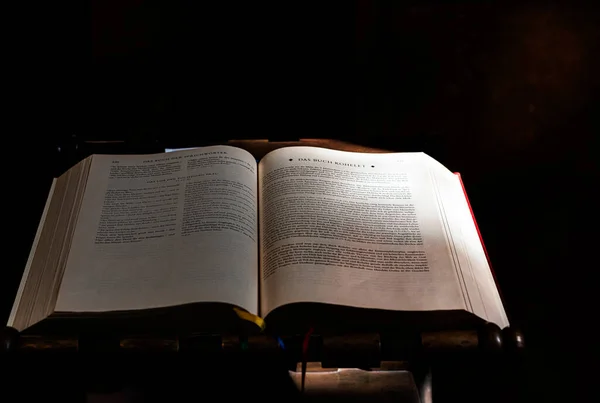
column 505, row 94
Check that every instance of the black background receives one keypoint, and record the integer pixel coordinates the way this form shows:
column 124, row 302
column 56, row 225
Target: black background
column 505, row 94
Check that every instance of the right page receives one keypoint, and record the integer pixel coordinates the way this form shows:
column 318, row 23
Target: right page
column 482, row 291
column 363, row 230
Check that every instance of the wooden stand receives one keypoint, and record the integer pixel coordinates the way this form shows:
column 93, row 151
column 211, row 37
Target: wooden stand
column 413, row 367
column 364, row 350
column 417, row 351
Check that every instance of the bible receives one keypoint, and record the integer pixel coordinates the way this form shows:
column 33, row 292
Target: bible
column 305, row 235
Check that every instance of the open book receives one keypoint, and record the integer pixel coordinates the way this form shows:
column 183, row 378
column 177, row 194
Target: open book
column 127, row 234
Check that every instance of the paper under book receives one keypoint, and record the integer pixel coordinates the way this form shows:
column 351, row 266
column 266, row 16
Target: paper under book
column 127, row 234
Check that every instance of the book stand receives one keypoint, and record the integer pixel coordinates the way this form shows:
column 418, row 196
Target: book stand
column 400, row 362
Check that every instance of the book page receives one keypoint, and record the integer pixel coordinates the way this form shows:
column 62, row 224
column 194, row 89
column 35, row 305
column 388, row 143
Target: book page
column 24, row 280
column 165, row 229
column 354, row 229
column 482, row 291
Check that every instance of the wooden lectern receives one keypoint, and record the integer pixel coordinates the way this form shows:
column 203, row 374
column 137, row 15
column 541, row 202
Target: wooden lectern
column 404, row 361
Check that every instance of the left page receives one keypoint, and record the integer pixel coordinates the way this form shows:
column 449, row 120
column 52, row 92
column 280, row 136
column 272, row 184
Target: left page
column 165, row 229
